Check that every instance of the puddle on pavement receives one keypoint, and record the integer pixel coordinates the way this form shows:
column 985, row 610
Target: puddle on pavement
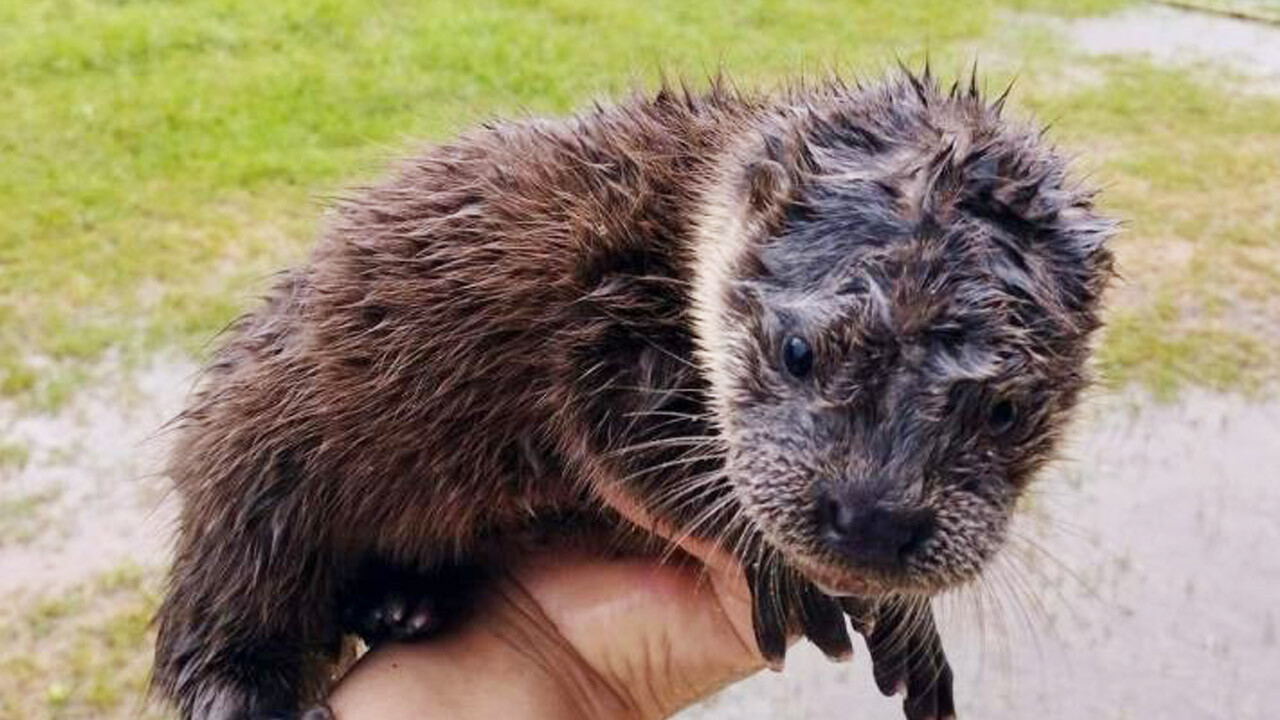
column 1182, row 37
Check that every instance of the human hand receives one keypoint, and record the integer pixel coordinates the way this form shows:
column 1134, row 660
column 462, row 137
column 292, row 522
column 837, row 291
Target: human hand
column 564, row 635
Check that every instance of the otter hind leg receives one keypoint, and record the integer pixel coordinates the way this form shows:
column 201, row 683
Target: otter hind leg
column 258, row 684
column 247, row 629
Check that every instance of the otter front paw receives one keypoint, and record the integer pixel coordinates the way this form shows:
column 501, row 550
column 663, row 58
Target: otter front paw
column 906, row 654
column 778, row 609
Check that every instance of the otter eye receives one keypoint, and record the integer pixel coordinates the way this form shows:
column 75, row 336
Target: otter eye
column 1003, row 416
column 796, row 356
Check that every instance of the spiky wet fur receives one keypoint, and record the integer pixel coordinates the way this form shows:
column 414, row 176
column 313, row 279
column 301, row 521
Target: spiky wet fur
column 514, row 327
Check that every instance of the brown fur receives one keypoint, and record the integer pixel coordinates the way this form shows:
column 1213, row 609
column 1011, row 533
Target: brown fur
column 500, row 334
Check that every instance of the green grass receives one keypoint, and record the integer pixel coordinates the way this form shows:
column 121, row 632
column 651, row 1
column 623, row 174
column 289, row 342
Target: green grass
column 1194, row 170
column 163, row 158
column 83, row 653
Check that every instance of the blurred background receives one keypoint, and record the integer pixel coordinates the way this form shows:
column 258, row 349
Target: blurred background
column 159, row 159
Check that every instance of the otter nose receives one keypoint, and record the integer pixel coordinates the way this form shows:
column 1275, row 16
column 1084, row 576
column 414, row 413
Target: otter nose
column 867, row 531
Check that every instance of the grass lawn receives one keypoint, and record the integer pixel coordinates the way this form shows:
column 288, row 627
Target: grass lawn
column 162, row 158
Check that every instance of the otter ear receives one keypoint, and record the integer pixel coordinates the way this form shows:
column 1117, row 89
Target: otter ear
column 767, row 183
column 1012, row 187
column 1040, row 210
column 767, row 186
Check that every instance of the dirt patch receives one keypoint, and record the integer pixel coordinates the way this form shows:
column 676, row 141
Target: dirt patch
column 1141, row 584
column 88, row 496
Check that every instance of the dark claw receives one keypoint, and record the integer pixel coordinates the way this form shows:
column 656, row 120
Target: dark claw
column 902, row 639
column 946, row 700
column 824, row 625
column 817, row 615
column 929, row 689
column 767, row 619
column 921, row 703
column 397, row 605
column 888, row 645
column 394, row 617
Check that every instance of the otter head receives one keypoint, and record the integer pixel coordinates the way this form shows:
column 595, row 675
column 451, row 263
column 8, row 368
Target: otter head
column 893, row 302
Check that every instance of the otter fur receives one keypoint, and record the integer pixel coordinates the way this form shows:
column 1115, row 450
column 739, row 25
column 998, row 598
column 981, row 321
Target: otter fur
column 835, row 328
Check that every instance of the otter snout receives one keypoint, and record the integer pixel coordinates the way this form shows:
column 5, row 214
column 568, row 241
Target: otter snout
column 870, row 532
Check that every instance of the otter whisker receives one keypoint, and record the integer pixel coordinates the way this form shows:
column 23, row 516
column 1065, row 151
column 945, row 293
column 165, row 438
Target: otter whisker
column 1021, row 571
column 683, row 494
column 1031, row 544
column 686, row 494
column 670, row 414
column 709, row 514
column 678, row 462
column 700, row 440
column 998, row 628
column 1004, row 575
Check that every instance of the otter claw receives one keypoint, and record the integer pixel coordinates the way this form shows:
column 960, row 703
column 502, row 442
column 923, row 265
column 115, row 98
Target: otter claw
column 397, row 604
column 394, row 617
column 818, row 616
column 768, row 620
column 824, row 625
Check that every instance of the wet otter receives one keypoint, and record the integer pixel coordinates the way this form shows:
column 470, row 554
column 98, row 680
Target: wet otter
column 836, row 329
